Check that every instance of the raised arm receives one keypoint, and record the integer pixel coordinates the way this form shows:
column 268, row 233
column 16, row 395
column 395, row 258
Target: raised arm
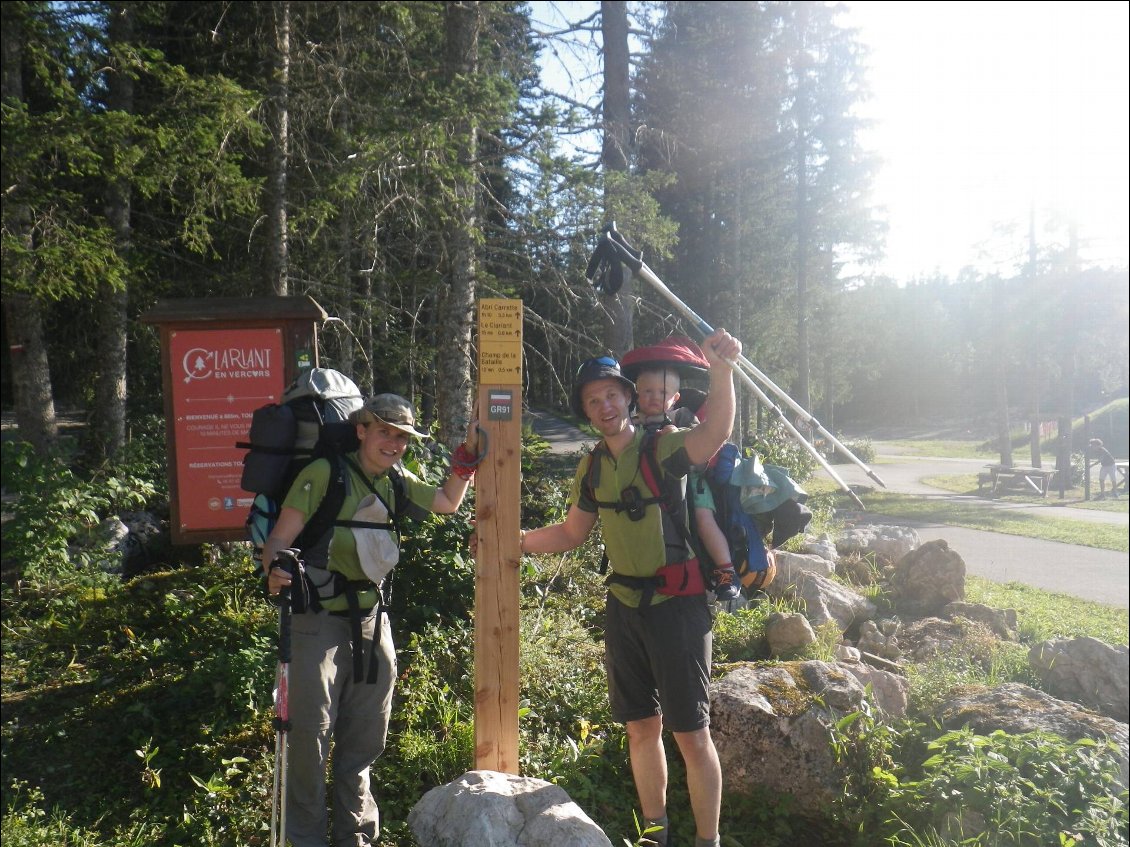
column 704, row 440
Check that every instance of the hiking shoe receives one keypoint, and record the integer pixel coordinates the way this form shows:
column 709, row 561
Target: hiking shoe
column 726, row 584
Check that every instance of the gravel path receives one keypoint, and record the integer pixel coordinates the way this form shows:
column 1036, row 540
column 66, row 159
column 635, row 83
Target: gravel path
column 1084, row 572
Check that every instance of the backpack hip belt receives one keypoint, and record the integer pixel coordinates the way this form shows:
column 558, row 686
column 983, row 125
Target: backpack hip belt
column 679, row 579
column 338, row 585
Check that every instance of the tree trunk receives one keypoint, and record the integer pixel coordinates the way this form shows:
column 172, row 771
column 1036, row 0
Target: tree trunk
column 1035, row 377
column 108, row 417
column 27, row 348
column 31, row 376
column 1000, row 383
column 803, row 222
column 616, row 157
column 454, row 388
column 278, row 257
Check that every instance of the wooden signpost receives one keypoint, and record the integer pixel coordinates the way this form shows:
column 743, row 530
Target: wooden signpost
column 497, row 496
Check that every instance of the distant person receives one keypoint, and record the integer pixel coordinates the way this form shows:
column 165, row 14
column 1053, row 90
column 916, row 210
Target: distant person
column 1100, row 454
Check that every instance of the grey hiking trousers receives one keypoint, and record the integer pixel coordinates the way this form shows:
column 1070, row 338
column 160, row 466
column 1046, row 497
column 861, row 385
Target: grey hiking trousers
column 326, row 704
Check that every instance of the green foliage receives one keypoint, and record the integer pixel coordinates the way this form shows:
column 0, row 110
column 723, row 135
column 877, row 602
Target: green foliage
column 862, row 748
column 431, row 737
column 906, row 785
column 1005, row 789
column 776, row 446
column 1045, row 615
column 861, row 448
column 52, row 530
column 168, row 677
column 978, row 658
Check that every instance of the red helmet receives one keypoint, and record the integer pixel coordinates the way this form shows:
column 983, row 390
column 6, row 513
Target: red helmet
column 676, row 352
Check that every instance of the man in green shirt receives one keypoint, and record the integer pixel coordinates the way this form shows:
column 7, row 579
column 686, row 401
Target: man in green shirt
column 328, row 701
column 658, row 624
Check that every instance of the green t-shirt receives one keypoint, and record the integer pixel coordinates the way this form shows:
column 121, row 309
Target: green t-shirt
column 634, row 548
column 310, row 487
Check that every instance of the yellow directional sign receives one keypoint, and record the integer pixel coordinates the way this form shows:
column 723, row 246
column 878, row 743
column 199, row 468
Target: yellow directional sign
column 500, row 363
column 500, row 342
column 500, row 320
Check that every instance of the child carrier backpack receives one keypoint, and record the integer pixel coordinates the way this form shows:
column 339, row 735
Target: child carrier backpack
column 689, row 576
column 752, row 562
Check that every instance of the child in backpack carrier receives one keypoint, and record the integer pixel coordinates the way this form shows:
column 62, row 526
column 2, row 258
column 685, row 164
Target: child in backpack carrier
column 657, row 392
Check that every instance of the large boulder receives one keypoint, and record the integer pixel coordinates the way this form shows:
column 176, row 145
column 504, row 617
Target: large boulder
column 824, row 547
column 889, row 691
column 491, row 809
column 1085, row 671
column 805, row 562
column 762, row 716
column 1001, row 621
column 1016, row 708
column 787, row 635
column 925, row 580
column 825, row 600
column 887, row 543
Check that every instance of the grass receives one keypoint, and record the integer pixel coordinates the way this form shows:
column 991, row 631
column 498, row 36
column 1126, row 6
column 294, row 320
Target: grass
column 972, row 515
column 946, row 449
column 1043, row 614
column 1073, row 497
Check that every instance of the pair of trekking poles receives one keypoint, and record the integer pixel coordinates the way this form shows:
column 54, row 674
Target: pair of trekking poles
column 613, row 254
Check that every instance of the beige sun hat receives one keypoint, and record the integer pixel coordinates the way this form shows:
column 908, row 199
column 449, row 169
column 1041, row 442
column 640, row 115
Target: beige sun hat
column 390, row 409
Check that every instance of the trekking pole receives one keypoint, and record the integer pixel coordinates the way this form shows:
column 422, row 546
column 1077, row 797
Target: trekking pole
column 745, row 363
column 288, row 561
column 613, row 250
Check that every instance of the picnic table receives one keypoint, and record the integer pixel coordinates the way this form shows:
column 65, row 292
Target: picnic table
column 1000, row 477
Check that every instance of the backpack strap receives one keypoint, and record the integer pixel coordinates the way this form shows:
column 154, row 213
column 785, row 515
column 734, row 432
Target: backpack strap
column 592, row 480
column 680, row 578
column 392, row 508
column 325, row 519
column 326, row 514
column 668, row 491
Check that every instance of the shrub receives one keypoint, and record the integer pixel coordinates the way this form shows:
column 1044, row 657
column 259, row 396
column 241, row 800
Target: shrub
column 1027, row 790
column 56, row 513
column 861, row 448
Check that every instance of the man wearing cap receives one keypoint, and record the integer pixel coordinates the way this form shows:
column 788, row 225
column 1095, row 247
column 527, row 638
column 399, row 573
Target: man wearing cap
column 329, row 698
column 657, row 643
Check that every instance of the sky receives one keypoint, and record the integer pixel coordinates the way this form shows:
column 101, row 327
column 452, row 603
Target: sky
column 986, row 112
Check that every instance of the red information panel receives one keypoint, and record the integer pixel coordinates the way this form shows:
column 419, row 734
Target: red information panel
column 219, row 377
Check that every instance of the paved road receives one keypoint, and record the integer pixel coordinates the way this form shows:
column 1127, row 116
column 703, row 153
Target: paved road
column 1085, row 572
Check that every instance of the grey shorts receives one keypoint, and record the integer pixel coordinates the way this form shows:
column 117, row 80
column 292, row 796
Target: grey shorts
column 658, row 661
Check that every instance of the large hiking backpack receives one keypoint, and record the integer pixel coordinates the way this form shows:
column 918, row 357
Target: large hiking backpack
column 310, row 422
column 752, row 562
